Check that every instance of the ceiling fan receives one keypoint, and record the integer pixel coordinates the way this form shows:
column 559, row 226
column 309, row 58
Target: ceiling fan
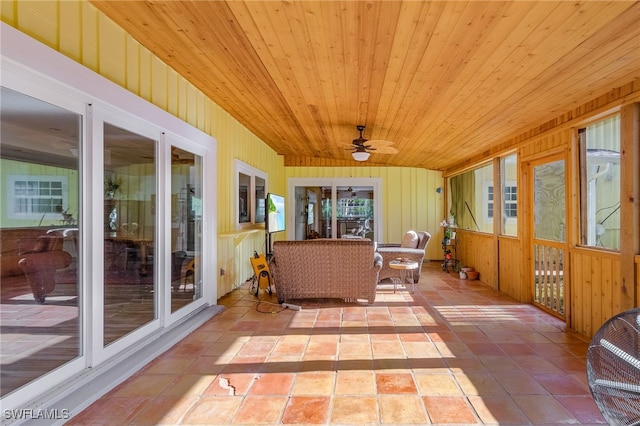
column 362, row 146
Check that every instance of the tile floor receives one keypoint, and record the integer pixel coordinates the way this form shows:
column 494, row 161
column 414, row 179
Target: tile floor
column 453, row 352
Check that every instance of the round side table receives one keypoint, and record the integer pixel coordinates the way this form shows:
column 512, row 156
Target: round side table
column 406, row 269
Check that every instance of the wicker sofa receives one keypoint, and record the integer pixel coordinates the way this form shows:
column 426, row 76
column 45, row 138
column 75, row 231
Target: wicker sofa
column 325, row 268
column 412, row 249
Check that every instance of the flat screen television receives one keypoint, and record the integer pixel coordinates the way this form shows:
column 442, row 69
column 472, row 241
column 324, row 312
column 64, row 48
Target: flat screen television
column 274, row 217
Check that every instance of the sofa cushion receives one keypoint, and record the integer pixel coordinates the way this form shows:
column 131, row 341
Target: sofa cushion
column 410, row 240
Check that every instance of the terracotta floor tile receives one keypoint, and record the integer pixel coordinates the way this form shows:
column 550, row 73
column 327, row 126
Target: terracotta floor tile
column 485, row 349
column 322, row 348
column 544, row 409
column 238, row 382
column 449, row 409
column 395, row 409
column 437, row 385
column 424, row 349
column 289, row 348
column 355, row 383
column 210, row 410
column 272, row 384
column 110, row 411
column 389, row 383
column 189, row 385
column 306, row 410
column 520, row 384
column 479, row 384
column 561, row 384
column 454, row 352
column 358, row 410
column 164, row 410
column 259, row 409
column 168, row 365
column 314, row 383
column 387, row 349
column 354, row 350
column 498, row 410
column 149, row 385
column 583, row 408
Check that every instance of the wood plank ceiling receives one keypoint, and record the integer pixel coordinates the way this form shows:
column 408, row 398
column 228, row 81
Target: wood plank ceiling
column 443, row 80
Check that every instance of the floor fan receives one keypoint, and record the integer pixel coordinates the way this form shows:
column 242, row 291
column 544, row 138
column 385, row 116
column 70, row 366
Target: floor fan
column 613, row 368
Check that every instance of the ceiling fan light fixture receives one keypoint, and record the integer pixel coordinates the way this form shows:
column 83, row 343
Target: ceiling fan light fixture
column 360, row 155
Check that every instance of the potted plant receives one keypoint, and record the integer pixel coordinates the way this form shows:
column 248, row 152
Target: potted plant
column 110, row 187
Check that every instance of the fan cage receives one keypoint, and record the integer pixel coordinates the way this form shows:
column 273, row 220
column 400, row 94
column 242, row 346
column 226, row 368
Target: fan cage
column 613, row 368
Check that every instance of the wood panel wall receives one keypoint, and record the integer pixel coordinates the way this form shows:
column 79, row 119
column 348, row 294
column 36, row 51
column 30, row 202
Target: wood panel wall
column 595, row 289
column 478, row 251
column 510, row 270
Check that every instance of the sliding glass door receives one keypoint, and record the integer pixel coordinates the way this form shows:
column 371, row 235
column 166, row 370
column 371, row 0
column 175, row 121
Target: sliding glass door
column 345, row 208
column 40, row 238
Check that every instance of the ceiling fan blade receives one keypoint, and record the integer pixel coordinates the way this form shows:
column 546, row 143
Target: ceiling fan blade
column 385, row 150
column 379, row 142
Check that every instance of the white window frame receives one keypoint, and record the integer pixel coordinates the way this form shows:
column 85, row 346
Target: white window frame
column 253, row 173
column 12, row 204
column 510, row 184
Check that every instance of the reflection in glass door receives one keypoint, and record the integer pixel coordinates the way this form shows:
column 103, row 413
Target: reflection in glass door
column 353, row 217
column 549, row 240
column 39, row 229
column 186, row 228
column 129, row 232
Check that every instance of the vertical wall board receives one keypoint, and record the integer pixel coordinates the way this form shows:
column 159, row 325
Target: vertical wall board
column 404, row 188
column 39, row 19
column 587, row 291
column 607, row 273
column 89, row 37
column 9, row 12
column 510, row 274
column 637, row 280
column 145, row 74
column 112, row 52
column 159, row 76
column 191, row 105
column 70, row 27
column 132, row 74
column 596, row 292
column 576, row 293
column 173, row 98
column 182, row 99
column 393, row 211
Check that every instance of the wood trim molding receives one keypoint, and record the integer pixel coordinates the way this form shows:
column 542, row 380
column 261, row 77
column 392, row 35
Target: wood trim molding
column 630, row 203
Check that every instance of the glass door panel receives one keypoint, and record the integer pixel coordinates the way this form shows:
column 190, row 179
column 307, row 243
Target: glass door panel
column 129, row 232
column 549, row 235
column 186, row 228
column 39, row 295
column 332, row 210
column 354, row 212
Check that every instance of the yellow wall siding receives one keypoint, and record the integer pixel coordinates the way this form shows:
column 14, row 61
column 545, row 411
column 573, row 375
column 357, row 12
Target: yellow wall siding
column 77, row 30
column 409, row 199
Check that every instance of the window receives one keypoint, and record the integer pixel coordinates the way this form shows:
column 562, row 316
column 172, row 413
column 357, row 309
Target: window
column 34, row 197
column 472, row 199
column 509, row 184
column 600, row 183
column 510, row 202
column 251, row 192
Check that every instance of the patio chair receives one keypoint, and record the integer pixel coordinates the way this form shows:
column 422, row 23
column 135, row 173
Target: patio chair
column 412, row 248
